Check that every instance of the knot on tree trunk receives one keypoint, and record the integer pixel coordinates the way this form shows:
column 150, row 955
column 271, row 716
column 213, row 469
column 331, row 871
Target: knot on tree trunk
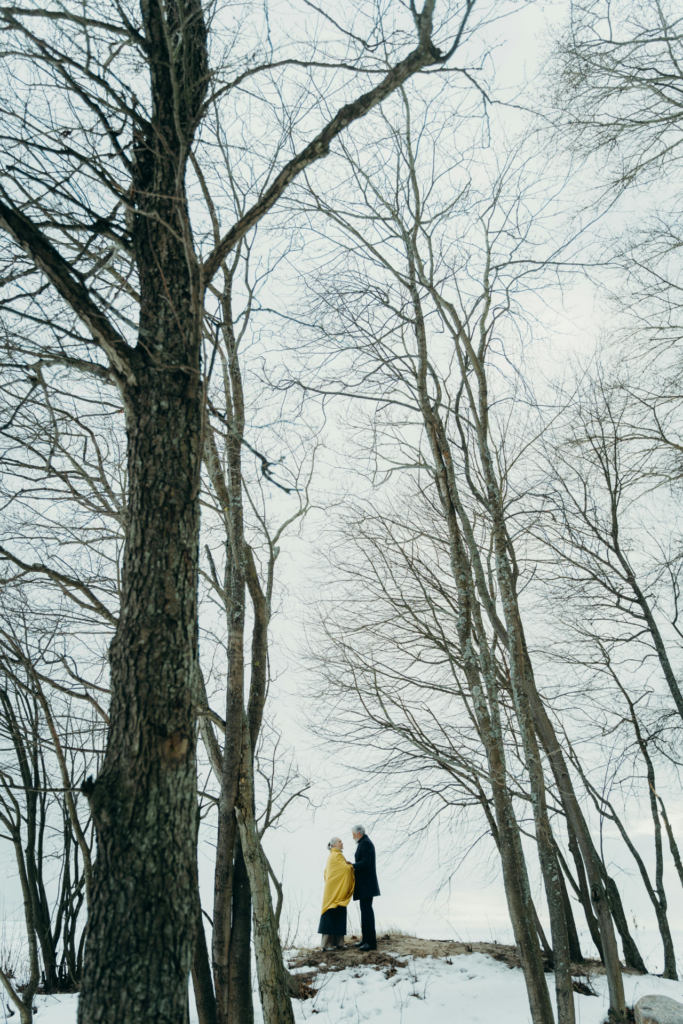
column 174, row 748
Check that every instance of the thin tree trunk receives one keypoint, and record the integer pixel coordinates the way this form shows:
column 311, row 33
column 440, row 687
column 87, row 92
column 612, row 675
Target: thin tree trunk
column 272, row 976
column 241, row 1008
column 546, row 845
column 594, row 867
column 28, row 766
column 673, row 845
column 470, row 357
column 232, row 905
column 24, row 1001
column 543, row 939
column 581, row 888
column 442, row 456
column 659, row 903
column 632, row 957
column 229, row 785
column 523, row 915
column 520, row 904
column 519, row 678
column 517, row 890
column 228, row 959
column 658, row 898
column 68, row 795
column 259, row 643
column 518, row 894
column 574, row 944
column 657, row 639
column 202, row 982
column 240, row 1003
column 202, row 975
column 631, row 952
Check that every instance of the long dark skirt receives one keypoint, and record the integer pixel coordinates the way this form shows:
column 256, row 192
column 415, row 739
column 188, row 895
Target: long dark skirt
column 333, row 922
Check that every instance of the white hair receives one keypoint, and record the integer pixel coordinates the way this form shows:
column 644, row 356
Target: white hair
column 358, row 828
column 333, row 842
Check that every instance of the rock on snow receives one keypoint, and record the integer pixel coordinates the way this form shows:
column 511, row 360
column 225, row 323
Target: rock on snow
column 658, row 1010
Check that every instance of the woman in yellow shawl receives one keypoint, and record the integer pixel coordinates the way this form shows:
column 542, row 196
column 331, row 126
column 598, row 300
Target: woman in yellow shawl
column 339, row 881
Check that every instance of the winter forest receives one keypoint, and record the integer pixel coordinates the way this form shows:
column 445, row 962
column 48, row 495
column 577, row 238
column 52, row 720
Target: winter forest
column 341, row 428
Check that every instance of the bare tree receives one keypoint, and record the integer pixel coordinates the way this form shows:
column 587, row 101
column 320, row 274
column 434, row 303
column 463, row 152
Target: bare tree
column 612, row 579
column 114, row 275
column 240, row 861
column 616, row 84
column 47, row 752
column 409, row 283
column 617, row 73
column 600, row 473
column 393, row 681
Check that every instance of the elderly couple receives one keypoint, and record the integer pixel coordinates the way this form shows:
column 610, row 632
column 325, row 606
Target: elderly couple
column 344, row 880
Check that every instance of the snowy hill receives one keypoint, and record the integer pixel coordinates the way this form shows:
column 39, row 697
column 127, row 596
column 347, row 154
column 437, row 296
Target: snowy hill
column 467, row 989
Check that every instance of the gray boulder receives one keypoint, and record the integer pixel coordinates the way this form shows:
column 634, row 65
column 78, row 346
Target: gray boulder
column 658, row 1010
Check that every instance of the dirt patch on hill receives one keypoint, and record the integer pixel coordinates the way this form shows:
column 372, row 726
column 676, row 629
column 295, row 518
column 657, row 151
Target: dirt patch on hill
column 407, row 945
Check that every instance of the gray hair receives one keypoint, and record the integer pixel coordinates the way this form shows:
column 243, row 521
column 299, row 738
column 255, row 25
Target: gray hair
column 333, row 842
column 358, row 828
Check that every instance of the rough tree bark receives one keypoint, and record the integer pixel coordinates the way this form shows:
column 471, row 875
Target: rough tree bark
column 143, row 920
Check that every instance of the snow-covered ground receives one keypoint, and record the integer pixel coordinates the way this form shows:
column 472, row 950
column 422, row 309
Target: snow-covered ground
column 471, row 989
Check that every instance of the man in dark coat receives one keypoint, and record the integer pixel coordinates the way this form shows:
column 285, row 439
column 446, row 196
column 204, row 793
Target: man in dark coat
column 366, row 887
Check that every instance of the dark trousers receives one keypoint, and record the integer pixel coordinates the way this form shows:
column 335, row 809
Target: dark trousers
column 367, row 922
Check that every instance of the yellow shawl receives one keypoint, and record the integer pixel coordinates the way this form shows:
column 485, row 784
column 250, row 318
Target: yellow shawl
column 339, row 881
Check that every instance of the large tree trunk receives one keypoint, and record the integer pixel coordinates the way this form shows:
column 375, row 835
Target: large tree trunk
column 142, row 925
column 143, row 920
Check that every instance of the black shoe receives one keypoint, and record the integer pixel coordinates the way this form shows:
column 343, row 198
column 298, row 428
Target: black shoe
column 357, row 945
column 366, row 948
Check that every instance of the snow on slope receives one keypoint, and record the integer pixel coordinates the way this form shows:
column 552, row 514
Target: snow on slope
column 472, row 989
